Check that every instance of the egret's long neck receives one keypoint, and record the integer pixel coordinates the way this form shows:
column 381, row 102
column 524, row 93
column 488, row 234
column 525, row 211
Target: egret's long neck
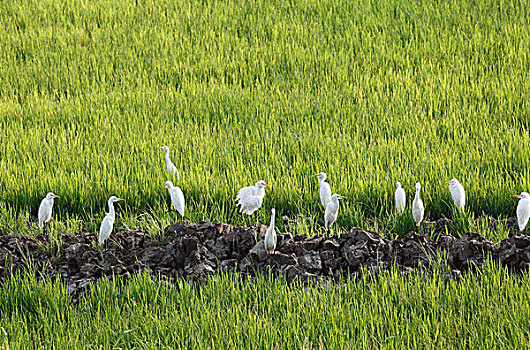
column 272, row 220
column 111, row 209
column 417, row 195
column 167, row 157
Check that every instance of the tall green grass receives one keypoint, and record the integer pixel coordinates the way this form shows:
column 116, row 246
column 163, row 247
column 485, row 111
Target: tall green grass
column 369, row 92
column 488, row 310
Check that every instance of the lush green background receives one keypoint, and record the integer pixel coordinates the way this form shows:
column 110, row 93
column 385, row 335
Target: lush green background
column 369, row 92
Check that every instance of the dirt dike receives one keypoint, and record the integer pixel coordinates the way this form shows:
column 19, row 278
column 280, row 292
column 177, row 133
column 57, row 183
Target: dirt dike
column 198, row 250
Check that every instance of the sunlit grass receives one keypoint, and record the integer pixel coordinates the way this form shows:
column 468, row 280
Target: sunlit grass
column 426, row 309
column 371, row 93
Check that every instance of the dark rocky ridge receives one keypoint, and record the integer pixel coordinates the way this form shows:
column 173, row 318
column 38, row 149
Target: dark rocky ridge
column 197, row 250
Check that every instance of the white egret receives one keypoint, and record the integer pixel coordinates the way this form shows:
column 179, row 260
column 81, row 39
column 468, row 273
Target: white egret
column 250, row 198
column 177, row 197
column 458, row 193
column 170, row 167
column 417, row 206
column 108, row 221
column 325, row 190
column 332, row 209
column 270, row 235
column 523, row 210
column 45, row 208
column 401, row 198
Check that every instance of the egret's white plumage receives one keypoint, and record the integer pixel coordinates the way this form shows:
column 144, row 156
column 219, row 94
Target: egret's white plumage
column 170, row 167
column 250, row 198
column 523, row 210
column 417, row 206
column 325, row 189
column 332, row 209
column 401, row 198
column 270, row 235
column 177, row 197
column 45, row 209
column 108, row 221
column 458, row 193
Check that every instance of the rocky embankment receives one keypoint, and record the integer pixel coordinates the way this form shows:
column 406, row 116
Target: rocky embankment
column 198, row 250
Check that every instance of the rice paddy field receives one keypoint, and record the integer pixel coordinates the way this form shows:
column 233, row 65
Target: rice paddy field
column 370, row 92
column 392, row 311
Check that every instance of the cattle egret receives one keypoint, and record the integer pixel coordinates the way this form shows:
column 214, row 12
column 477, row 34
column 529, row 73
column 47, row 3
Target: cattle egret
column 325, row 190
column 170, row 167
column 401, row 198
column 523, row 210
column 332, row 209
column 177, row 197
column 458, row 193
column 108, row 221
column 45, row 209
column 270, row 235
column 417, row 206
column 250, row 198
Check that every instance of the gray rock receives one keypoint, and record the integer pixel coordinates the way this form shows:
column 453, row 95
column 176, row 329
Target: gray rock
column 258, row 252
column 228, row 265
column 220, row 249
column 355, row 254
column 330, row 244
column 245, row 265
column 281, row 259
column 152, row 255
column 310, row 261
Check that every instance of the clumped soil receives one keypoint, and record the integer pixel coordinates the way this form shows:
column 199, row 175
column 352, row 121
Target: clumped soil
column 198, row 250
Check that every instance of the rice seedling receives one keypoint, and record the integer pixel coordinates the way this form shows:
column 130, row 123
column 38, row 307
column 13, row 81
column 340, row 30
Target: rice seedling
column 426, row 309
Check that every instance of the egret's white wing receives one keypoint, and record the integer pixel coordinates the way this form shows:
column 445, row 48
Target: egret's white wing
column 45, row 212
column 462, row 196
column 250, row 204
column 401, row 200
column 245, row 193
column 458, row 195
column 330, row 214
column 325, row 193
column 270, row 239
column 106, row 228
column 177, row 198
column 417, row 211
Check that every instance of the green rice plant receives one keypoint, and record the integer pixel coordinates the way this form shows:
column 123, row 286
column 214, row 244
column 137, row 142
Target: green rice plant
column 371, row 93
column 425, row 309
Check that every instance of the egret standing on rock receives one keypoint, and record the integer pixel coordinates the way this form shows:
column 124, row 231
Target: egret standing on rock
column 458, row 193
column 417, row 206
column 401, row 198
column 170, row 167
column 177, row 197
column 250, row 198
column 270, row 235
column 523, row 210
column 325, row 190
column 45, row 209
column 108, row 221
column 332, row 209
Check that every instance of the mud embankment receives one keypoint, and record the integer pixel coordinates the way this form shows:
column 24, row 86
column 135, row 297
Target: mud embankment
column 198, row 250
